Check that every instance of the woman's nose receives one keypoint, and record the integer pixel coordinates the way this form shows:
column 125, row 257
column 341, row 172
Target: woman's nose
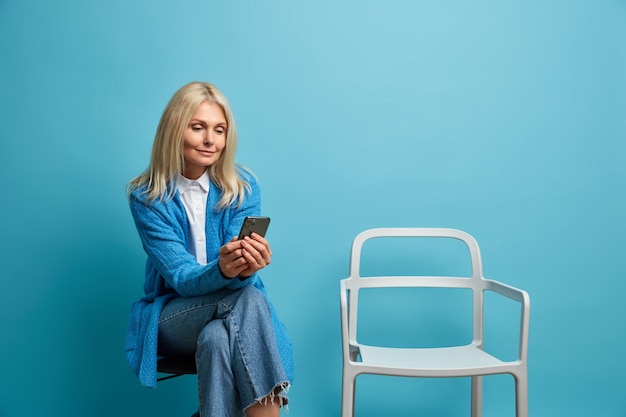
column 208, row 138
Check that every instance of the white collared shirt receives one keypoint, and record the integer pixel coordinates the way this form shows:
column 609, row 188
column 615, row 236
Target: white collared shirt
column 193, row 194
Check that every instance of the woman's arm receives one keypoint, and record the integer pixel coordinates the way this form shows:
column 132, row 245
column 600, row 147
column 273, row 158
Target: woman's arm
column 162, row 230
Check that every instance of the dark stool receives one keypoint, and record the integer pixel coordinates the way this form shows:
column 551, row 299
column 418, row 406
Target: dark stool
column 176, row 366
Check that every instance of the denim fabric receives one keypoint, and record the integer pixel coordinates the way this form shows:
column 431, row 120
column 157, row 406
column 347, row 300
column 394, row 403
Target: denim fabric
column 230, row 332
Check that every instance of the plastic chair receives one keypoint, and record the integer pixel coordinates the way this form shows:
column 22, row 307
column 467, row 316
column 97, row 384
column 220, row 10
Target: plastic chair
column 175, row 367
column 457, row 361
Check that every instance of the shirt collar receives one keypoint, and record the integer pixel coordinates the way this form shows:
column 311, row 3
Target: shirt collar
column 183, row 183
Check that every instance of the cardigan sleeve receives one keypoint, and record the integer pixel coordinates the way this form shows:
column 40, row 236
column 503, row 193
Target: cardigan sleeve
column 164, row 241
column 162, row 227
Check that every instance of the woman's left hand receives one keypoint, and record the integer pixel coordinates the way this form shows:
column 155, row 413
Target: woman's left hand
column 257, row 253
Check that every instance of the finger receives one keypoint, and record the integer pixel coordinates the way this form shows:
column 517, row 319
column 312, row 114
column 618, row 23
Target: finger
column 254, row 257
column 258, row 237
column 258, row 259
column 239, row 266
column 231, row 251
column 231, row 246
column 228, row 257
column 255, row 237
column 260, row 244
column 265, row 243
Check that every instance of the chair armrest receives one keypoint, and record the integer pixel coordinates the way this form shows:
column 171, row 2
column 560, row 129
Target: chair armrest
column 350, row 352
column 507, row 291
column 343, row 306
column 523, row 298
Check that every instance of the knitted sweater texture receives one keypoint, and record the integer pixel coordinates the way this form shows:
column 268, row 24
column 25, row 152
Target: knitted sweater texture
column 172, row 271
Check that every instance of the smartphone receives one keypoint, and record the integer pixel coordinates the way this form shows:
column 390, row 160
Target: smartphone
column 254, row 224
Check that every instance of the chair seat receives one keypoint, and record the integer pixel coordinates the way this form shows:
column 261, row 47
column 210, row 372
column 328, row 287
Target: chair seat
column 178, row 365
column 442, row 362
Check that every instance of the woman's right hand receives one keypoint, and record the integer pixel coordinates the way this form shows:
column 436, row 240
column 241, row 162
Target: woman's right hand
column 231, row 260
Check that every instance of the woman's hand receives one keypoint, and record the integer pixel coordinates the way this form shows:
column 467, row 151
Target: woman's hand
column 244, row 257
column 257, row 253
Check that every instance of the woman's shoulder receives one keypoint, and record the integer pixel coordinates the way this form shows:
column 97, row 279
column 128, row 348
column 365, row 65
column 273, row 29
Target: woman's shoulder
column 140, row 196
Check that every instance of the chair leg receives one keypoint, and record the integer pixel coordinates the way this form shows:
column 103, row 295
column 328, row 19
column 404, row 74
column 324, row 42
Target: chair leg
column 521, row 395
column 477, row 396
column 165, row 378
column 348, row 394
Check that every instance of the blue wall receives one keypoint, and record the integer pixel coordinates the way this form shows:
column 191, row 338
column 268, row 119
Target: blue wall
column 502, row 118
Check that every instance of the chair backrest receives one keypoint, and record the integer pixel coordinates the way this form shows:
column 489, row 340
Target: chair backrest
column 475, row 282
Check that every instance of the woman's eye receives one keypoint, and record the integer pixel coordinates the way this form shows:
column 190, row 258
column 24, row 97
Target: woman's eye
column 196, row 128
column 220, row 130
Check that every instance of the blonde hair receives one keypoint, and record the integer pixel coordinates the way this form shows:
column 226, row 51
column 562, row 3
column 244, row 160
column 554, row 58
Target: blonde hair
column 167, row 160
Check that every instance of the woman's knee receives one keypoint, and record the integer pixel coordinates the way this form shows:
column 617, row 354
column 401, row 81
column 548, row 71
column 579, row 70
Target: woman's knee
column 252, row 298
column 214, row 337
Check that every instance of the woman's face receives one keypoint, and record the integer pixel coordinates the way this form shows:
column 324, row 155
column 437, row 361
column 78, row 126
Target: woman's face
column 204, row 139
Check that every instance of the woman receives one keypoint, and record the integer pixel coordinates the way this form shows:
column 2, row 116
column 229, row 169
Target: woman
column 203, row 293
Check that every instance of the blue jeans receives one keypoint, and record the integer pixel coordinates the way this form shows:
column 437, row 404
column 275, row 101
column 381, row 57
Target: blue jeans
column 230, row 332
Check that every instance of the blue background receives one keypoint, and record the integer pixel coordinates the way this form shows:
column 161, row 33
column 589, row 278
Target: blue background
column 502, row 118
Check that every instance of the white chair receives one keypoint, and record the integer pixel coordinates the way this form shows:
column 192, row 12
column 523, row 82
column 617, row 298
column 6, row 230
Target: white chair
column 457, row 361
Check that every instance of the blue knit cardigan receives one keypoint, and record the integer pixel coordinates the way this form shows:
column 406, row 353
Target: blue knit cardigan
column 171, row 271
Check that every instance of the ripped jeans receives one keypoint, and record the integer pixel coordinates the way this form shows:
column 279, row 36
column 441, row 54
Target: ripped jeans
column 230, row 332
